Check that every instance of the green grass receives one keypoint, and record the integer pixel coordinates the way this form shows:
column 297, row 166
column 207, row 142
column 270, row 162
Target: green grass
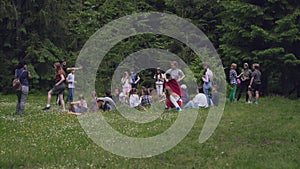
column 248, row 136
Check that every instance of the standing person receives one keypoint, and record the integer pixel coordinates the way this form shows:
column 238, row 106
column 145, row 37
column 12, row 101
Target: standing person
column 233, row 81
column 24, row 75
column 63, row 64
column 159, row 81
column 58, row 88
column 134, row 79
column 126, row 83
column 245, row 81
column 175, row 72
column 71, row 86
column 207, row 85
column 255, row 83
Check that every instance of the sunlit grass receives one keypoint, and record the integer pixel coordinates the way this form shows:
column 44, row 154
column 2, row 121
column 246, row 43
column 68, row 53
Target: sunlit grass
column 249, row 136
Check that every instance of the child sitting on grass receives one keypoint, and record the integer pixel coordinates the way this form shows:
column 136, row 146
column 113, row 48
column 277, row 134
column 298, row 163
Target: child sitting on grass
column 94, row 106
column 79, row 106
column 145, row 99
column 134, row 100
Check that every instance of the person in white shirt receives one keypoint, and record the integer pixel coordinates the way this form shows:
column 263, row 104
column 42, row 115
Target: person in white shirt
column 175, row 72
column 126, row 83
column 159, row 81
column 199, row 101
column 134, row 100
column 71, row 86
column 207, row 85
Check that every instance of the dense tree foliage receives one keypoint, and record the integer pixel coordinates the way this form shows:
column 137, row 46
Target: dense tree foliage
column 45, row 31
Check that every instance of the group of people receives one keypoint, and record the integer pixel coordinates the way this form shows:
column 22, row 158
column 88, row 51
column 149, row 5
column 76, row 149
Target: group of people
column 167, row 88
column 248, row 80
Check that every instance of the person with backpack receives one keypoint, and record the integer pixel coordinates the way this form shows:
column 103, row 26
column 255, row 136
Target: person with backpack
column 23, row 75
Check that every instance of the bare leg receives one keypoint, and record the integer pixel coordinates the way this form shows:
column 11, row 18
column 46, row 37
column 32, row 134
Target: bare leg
column 49, row 97
column 256, row 96
column 250, row 95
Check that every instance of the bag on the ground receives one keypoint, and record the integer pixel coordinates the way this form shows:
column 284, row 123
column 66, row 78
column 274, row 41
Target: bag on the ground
column 16, row 84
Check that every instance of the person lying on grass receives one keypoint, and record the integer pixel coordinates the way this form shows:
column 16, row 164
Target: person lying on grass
column 79, row 106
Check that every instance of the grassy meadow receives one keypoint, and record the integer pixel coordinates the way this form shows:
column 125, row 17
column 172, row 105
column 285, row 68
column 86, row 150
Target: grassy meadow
column 264, row 136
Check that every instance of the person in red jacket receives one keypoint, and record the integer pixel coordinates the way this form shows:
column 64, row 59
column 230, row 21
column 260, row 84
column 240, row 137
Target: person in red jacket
column 173, row 85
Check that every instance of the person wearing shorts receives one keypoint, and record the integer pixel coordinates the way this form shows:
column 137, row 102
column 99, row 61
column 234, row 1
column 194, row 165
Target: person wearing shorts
column 255, row 83
column 58, row 88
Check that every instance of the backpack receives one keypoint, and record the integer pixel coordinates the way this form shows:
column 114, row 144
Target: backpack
column 16, row 84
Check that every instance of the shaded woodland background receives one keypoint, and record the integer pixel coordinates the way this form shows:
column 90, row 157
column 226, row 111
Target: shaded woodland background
column 45, row 31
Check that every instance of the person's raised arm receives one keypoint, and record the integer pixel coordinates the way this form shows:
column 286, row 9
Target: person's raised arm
column 74, row 68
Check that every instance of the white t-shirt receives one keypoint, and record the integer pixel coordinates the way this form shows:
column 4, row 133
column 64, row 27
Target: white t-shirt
column 175, row 73
column 200, row 100
column 71, row 80
column 209, row 75
column 159, row 76
column 134, row 100
column 126, row 83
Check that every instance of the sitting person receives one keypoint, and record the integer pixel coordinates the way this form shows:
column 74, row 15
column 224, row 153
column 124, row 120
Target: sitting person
column 185, row 95
column 134, row 100
column 122, row 98
column 199, row 101
column 215, row 96
column 174, row 87
column 79, row 106
column 173, row 84
column 106, row 103
column 94, row 106
column 145, row 99
column 172, row 99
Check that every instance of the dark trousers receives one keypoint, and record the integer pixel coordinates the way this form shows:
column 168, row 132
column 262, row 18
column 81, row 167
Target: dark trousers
column 243, row 88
